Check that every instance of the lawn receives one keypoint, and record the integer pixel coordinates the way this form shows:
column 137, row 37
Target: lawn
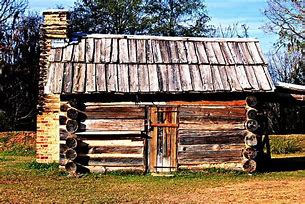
column 24, row 183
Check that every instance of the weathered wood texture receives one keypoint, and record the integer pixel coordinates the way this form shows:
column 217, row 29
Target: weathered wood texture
column 211, row 133
column 127, row 64
column 163, row 145
column 109, row 136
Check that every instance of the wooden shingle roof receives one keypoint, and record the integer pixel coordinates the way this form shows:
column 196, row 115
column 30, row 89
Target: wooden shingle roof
column 150, row 64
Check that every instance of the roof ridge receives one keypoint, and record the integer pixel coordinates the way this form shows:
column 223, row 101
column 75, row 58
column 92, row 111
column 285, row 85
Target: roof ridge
column 153, row 37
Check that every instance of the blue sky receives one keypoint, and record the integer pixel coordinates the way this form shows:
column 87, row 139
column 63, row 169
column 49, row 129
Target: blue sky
column 222, row 12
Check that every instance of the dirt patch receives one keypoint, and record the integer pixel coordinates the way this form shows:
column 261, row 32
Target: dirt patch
column 286, row 191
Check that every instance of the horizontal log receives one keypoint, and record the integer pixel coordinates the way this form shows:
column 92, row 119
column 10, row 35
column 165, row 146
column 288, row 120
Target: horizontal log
column 190, row 155
column 105, row 169
column 110, row 167
column 210, row 137
column 111, row 137
column 114, row 124
column 102, row 112
column 87, row 161
column 112, row 133
column 190, row 161
column 252, row 125
column 72, row 126
column 100, row 134
column 251, row 113
column 117, row 149
column 207, row 102
column 207, row 147
column 205, row 124
column 97, row 143
column 63, row 133
column 251, row 139
column 110, row 155
column 223, row 165
column 74, row 168
column 72, row 142
column 250, row 166
column 249, row 153
column 70, row 154
column 64, row 106
column 201, row 120
column 251, row 101
column 75, row 114
column 212, row 111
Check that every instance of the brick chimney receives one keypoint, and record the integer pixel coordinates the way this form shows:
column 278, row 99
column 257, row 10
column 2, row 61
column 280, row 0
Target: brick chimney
column 54, row 33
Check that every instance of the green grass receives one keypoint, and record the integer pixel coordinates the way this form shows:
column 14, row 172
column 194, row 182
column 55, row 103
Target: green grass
column 39, row 166
column 22, row 180
column 287, row 144
column 3, row 159
column 18, row 150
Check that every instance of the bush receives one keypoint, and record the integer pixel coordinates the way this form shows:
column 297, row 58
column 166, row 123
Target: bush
column 285, row 145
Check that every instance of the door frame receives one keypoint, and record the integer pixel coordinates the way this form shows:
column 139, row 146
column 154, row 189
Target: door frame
column 163, row 129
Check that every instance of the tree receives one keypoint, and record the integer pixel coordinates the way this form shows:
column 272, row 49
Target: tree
column 286, row 19
column 10, row 9
column 19, row 58
column 162, row 17
column 287, row 66
column 107, row 16
column 176, row 18
column 232, row 31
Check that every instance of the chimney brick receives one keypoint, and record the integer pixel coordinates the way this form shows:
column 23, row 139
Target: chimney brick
column 55, row 27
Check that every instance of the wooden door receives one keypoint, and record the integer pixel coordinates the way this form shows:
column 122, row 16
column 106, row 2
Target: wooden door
column 163, row 145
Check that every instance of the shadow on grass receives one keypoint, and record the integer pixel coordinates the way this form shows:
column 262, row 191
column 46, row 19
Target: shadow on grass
column 285, row 164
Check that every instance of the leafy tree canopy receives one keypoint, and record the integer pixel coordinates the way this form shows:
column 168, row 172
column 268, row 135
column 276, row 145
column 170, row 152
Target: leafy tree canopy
column 161, row 17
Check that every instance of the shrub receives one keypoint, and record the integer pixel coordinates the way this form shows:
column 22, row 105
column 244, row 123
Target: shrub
column 285, row 145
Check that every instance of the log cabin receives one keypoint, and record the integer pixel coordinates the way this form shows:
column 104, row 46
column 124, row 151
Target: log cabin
column 150, row 103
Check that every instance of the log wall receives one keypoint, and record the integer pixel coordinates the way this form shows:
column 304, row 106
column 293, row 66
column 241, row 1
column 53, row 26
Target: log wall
column 115, row 136
column 109, row 137
column 211, row 133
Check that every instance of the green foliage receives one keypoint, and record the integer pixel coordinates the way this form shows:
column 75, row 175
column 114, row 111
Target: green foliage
column 169, row 18
column 41, row 166
column 285, row 145
column 176, row 18
column 115, row 16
